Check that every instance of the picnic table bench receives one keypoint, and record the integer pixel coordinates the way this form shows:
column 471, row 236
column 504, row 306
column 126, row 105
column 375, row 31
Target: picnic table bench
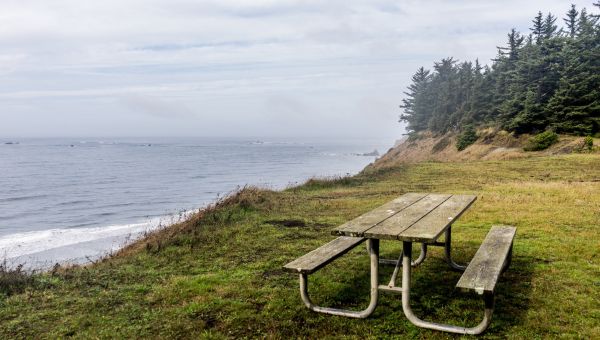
column 420, row 218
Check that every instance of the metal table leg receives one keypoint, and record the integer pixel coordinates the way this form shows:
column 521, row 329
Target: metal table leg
column 448, row 248
column 406, row 271
column 373, row 247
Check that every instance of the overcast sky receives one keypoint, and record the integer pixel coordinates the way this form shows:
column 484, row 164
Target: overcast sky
column 233, row 68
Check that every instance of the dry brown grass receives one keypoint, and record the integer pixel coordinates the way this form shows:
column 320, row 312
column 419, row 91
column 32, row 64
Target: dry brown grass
column 492, row 144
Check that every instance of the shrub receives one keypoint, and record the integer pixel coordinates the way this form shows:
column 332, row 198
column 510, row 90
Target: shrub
column 466, row 138
column 541, row 141
column 14, row 280
column 588, row 142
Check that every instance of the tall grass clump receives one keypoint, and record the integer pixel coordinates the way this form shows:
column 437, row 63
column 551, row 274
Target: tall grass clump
column 330, row 182
column 588, row 143
column 14, row 280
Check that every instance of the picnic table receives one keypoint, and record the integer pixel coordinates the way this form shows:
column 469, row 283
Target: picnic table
column 413, row 218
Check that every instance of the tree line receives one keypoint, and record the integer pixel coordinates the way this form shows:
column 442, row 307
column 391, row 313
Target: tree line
column 548, row 79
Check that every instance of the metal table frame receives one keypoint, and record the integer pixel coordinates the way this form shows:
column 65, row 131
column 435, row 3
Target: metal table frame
column 406, row 263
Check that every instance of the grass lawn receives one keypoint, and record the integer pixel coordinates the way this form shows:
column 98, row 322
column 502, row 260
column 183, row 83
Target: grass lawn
column 219, row 274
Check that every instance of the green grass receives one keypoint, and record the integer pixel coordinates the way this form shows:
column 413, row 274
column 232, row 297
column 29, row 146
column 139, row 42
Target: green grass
column 219, row 274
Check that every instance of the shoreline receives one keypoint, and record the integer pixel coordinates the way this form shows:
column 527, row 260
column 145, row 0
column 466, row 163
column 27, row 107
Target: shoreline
column 78, row 246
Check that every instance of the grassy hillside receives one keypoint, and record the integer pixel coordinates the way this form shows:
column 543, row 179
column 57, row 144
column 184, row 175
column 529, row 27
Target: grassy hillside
column 490, row 144
column 219, row 274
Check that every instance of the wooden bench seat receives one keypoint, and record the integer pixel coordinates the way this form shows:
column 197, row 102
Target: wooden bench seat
column 321, row 256
column 489, row 262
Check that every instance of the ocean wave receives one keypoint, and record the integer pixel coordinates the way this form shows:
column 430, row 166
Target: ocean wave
column 22, row 198
column 116, row 205
column 31, row 242
column 74, row 202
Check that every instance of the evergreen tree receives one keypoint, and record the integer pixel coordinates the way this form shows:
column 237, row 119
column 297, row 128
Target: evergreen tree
column 445, row 94
column 510, row 85
column 465, row 87
column 571, row 21
column 480, row 105
column 416, row 106
column 538, row 28
column 515, row 41
column 586, row 24
column 549, row 26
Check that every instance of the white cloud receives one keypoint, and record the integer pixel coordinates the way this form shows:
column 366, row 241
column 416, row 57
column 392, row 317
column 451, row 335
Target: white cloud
column 222, row 64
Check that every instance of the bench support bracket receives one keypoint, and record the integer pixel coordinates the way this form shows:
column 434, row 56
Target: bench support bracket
column 391, row 286
column 406, row 271
column 373, row 247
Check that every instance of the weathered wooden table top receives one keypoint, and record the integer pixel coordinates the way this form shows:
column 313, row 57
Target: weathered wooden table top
column 416, row 217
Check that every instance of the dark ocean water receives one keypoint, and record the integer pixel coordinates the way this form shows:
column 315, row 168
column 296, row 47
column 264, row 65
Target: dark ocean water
column 68, row 200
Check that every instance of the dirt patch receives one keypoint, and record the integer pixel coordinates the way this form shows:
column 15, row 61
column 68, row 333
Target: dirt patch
column 273, row 273
column 287, row 223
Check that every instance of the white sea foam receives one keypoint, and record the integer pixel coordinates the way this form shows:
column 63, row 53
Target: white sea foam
column 31, row 242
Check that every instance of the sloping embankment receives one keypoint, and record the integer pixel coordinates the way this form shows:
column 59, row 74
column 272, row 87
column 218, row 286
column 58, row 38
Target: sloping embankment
column 491, row 145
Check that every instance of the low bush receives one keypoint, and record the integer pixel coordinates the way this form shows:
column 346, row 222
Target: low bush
column 466, row 138
column 541, row 141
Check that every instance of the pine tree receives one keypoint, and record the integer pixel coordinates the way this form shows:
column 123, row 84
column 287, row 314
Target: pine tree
column 416, row 106
column 571, row 21
column 480, row 106
column 538, row 28
column 510, row 86
column 549, row 26
column 586, row 24
column 515, row 41
column 466, row 79
column 445, row 94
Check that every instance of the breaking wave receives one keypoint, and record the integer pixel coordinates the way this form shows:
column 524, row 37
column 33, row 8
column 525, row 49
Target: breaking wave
column 32, row 242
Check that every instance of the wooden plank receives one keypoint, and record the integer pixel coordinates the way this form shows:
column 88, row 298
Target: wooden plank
column 390, row 228
column 431, row 226
column 484, row 269
column 321, row 256
column 359, row 225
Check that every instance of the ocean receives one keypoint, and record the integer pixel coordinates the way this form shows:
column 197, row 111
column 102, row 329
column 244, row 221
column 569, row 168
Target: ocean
column 76, row 200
